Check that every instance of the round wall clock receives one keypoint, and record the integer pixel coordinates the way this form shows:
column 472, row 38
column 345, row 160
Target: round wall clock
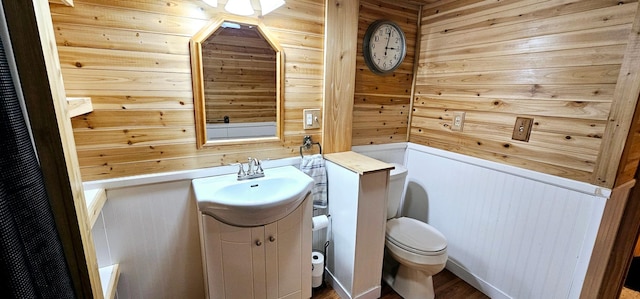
column 384, row 46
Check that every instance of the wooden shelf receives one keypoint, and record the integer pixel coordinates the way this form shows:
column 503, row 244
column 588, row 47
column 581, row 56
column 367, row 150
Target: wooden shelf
column 95, row 199
column 79, row 106
column 109, row 276
column 65, row 2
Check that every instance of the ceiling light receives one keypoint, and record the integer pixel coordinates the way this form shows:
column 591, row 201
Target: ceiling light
column 239, row 7
column 213, row 3
column 268, row 6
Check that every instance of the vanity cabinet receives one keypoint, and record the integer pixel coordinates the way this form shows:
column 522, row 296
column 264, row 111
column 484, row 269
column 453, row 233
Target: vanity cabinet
column 269, row 261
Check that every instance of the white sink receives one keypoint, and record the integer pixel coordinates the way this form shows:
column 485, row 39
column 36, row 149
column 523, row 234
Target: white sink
column 252, row 202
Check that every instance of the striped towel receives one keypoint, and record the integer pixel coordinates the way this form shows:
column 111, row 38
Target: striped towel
column 313, row 166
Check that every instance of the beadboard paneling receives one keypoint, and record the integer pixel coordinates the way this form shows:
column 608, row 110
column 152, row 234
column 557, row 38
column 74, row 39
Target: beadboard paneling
column 381, row 103
column 509, row 234
column 132, row 59
column 152, row 231
column 558, row 62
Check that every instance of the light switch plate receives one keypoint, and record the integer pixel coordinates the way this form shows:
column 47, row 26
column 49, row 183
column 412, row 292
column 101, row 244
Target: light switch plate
column 522, row 129
column 311, row 119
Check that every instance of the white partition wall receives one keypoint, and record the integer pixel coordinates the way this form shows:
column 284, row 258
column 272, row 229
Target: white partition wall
column 512, row 233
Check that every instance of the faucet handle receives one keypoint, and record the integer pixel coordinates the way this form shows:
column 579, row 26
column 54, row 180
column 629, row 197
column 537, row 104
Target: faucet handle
column 259, row 166
column 241, row 172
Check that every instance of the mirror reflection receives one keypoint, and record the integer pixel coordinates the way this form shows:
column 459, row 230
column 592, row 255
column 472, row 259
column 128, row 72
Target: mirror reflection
column 239, row 83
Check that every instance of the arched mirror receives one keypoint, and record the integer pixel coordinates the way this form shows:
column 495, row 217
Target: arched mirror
column 236, row 71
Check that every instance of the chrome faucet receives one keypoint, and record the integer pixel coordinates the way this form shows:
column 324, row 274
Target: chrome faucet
column 254, row 170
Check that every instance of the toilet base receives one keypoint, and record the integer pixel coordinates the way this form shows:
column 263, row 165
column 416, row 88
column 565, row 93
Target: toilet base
column 413, row 284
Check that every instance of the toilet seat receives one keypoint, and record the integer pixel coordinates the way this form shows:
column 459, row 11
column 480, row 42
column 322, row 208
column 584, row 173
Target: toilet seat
column 415, row 236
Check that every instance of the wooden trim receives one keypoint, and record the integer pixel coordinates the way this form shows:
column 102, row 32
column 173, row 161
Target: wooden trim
column 416, row 64
column 37, row 62
column 621, row 252
column 358, row 163
column 109, row 277
column 621, row 117
column 96, row 198
column 604, row 241
column 79, row 106
column 341, row 23
column 197, row 81
column 64, row 2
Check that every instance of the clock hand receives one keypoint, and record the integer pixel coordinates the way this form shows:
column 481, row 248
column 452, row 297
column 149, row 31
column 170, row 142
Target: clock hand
column 387, row 45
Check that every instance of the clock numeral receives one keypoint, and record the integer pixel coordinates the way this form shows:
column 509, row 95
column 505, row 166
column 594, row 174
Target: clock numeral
column 376, row 38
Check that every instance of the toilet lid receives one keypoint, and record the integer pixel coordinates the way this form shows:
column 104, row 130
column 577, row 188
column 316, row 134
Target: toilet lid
column 415, row 236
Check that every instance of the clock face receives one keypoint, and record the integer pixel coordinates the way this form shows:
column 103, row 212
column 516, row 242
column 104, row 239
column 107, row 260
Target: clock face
column 384, row 47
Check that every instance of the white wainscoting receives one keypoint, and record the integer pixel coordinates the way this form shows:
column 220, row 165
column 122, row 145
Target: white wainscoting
column 149, row 226
column 512, row 233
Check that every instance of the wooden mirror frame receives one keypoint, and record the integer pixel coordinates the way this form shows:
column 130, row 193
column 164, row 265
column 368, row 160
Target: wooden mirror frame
column 197, row 77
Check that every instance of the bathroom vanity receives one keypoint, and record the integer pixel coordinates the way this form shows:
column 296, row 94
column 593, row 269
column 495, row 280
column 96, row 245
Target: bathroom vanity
column 268, row 261
column 256, row 234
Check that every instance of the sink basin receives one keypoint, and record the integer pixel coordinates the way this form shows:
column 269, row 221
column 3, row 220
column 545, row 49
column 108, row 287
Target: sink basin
column 252, row 202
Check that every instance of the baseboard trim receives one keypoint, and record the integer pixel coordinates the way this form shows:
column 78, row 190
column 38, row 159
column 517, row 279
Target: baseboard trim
column 475, row 281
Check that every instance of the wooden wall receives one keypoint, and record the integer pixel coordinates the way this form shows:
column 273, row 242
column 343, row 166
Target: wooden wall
column 381, row 103
column 132, row 59
column 239, row 68
column 558, row 62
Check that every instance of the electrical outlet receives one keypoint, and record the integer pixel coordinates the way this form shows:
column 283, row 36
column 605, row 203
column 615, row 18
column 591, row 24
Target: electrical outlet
column 311, row 118
column 522, row 129
column 458, row 121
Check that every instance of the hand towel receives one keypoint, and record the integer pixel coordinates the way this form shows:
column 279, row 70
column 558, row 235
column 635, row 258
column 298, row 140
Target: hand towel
column 313, row 166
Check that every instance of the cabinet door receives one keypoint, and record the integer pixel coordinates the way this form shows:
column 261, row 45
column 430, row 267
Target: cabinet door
column 288, row 255
column 235, row 260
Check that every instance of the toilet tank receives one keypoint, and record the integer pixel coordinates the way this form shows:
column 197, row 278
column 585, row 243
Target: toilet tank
column 397, row 177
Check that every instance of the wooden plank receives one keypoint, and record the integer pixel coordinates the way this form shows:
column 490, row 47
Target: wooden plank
column 607, row 55
column 358, row 163
column 64, row 2
column 88, row 80
column 581, row 92
column 108, row 38
column 72, row 58
column 87, row 15
column 599, row 74
column 133, row 118
column 341, row 23
column 606, row 36
column 539, row 23
column 572, row 109
column 96, row 198
column 621, row 116
column 507, row 158
column 78, row 106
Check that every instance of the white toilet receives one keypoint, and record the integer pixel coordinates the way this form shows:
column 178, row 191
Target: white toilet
column 419, row 249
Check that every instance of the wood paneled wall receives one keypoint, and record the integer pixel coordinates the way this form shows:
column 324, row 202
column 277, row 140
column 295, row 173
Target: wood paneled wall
column 239, row 68
column 557, row 62
column 132, row 59
column 381, row 103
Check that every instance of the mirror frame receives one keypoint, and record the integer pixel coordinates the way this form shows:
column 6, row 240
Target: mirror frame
column 197, row 77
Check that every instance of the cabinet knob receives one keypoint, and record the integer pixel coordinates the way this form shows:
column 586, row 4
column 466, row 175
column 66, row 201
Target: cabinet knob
column 272, row 238
column 258, row 242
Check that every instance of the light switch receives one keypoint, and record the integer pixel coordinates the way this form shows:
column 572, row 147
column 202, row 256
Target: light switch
column 522, row 129
column 311, row 118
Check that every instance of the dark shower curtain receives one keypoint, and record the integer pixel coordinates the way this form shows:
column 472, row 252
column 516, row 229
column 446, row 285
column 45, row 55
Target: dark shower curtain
column 32, row 263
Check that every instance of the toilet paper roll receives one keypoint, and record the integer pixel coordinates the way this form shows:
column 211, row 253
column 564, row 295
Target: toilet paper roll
column 319, row 222
column 317, row 263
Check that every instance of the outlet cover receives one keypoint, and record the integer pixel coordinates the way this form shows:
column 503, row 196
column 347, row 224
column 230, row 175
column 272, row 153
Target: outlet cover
column 522, row 129
column 311, row 119
column 458, row 121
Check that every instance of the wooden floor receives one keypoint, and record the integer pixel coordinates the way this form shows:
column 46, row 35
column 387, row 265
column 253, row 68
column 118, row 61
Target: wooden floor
column 446, row 286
